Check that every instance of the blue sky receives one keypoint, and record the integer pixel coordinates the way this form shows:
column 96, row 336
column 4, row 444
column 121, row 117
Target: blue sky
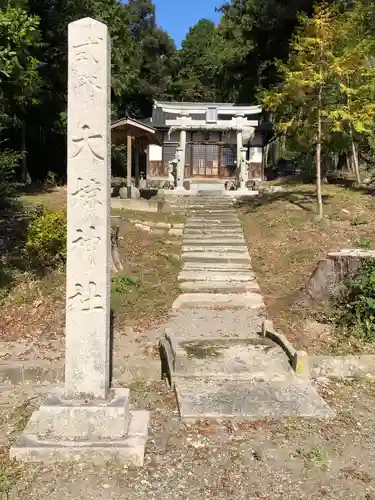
column 177, row 16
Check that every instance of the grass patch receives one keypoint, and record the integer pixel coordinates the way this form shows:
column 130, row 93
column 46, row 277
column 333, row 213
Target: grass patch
column 22, row 414
column 317, row 457
column 286, row 242
column 130, row 215
column 51, row 198
column 141, row 294
column 144, row 291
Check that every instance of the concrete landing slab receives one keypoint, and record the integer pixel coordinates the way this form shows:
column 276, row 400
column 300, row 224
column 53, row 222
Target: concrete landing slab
column 220, row 286
column 255, row 359
column 249, row 401
column 247, row 300
column 216, row 275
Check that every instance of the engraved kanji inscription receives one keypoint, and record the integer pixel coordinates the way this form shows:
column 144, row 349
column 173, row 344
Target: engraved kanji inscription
column 85, row 76
column 83, row 52
column 87, row 192
column 87, row 80
column 88, row 241
column 88, row 42
column 85, row 299
column 87, row 141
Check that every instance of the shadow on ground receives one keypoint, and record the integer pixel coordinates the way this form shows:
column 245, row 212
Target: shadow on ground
column 302, row 199
column 13, row 233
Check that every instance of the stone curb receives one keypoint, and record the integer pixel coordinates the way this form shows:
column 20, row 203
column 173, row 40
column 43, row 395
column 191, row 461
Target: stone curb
column 342, row 367
column 38, row 372
column 299, row 360
column 24, row 372
column 322, row 366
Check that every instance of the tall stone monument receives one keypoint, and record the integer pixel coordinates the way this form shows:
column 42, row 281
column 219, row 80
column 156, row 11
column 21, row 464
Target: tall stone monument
column 86, row 418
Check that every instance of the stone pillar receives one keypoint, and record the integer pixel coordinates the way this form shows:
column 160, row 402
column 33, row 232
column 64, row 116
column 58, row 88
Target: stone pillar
column 84, row 420
column 88, row 243
column 239, row 147
column 136, row 163
column 243, row 169
column 181, row 162
column 129, row 151
column 180, row 153
column 239, row 120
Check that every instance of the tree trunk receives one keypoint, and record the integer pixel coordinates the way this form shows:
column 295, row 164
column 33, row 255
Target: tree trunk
column 116, row 263
column 342, row 162
column 25, row 176
column 318, row 158
column 266, row 153
column 355, row 161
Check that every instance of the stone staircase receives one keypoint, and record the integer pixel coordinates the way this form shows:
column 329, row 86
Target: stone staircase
column 211, row 349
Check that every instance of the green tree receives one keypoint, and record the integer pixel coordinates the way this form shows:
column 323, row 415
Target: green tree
column 305, row 95
column 19, row 78
column 204, row 57
column 354, row 70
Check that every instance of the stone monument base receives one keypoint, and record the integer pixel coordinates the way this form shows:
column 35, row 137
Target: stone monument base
column 242, row 192
column 68, row 430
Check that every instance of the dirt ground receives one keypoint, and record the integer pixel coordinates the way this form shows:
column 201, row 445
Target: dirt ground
column 286, row 241
column 295, row 459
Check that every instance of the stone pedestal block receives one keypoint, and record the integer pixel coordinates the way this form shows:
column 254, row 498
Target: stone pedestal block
column 64, row 430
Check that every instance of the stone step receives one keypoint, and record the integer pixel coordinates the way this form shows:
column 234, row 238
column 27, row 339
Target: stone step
column 213, row 210
column 204, row 225
column 213, row 207
column 214, row 233
column 208, row 228
column 217, row 221
column 192, row 324
column 219, row 286
column 209, row 249
column 213, row 201
column 216, row 275
column 219, row 216
column 247, row 300
column 210, row 205
column 238, row 399
column 214, row 241
column 217, row 266
column 209, row 216
column 206, row 257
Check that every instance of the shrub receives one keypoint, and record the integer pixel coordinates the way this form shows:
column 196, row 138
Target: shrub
column 51, row 180
column 8, row 163
column 46, row 237
column 355, row 308
column 122, row 284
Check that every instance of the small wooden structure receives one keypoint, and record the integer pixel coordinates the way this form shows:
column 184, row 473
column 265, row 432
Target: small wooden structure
column 137, row 136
